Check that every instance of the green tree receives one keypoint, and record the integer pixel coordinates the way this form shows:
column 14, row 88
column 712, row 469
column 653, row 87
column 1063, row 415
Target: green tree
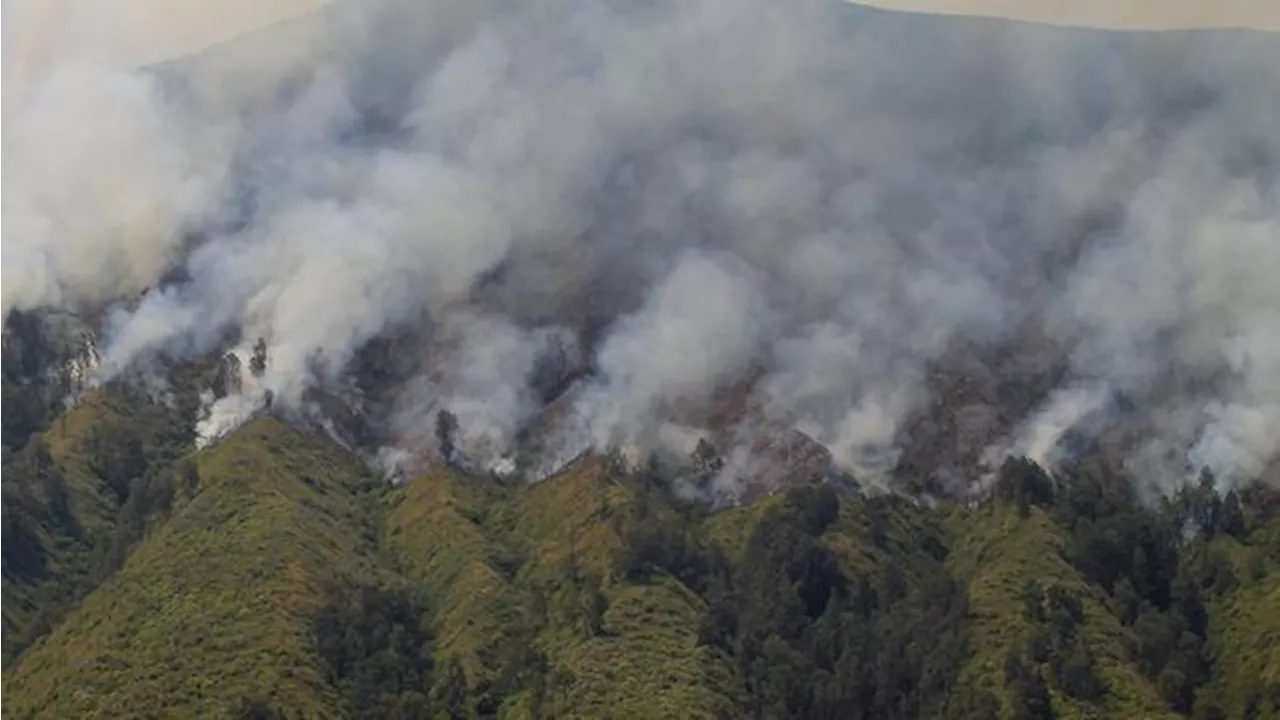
column 1230, row 519
column 258, row 360
column 1075, row 672
column 375, row 648
column 1028, row 693
column 115, row 454
column 1022, row 482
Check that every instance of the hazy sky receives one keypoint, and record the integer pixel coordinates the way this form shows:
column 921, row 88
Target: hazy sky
column 143, row 31
column 1134, row 14
column 136, row 31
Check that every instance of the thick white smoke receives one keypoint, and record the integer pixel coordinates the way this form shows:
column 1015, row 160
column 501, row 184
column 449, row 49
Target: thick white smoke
column 103, row 178
column 1039, row 438
column 700, row 328
column 799, row 210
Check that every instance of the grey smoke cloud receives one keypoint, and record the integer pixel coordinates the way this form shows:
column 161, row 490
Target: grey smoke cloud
column 103, row 179
column 828, row 198
column 700, row 328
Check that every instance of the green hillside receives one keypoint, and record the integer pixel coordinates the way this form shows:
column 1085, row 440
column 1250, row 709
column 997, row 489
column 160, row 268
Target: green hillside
column 596, row 594
column 533, row 615
column 80, row 485
column 68, row 517
column 1244, row 628
column 273, row 576
column 214, row 607
column 999, row 554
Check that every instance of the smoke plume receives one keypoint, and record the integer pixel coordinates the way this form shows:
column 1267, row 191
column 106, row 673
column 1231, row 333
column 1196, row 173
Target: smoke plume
column 603, row 219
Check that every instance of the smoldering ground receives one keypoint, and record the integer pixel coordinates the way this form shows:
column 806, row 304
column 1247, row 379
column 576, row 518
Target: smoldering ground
column 641, row 205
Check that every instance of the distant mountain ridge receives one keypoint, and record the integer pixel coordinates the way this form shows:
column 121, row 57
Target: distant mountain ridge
column 1112, row 14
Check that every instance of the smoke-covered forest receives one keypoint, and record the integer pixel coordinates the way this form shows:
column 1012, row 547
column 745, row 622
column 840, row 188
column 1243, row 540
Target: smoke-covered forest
column 274, row 575
column 711, row 359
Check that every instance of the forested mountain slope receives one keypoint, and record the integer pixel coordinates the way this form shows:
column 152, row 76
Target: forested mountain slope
column 217, row 604
column 675, row 359
column 276, row 577
column 75, row 498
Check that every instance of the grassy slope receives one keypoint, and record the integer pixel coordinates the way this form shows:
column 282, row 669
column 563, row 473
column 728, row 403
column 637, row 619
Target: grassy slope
column 730, row 529
column 1245, row 635
column 74, row 557
column 502, row 570
column 213, row 606
column 434, row 534
column 1244, row 632
column 90, row 501
column 995, row 553
column 646, row 662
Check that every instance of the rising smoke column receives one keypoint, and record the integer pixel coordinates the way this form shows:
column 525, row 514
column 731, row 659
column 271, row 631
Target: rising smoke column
column 103, row 179
column 824, row 197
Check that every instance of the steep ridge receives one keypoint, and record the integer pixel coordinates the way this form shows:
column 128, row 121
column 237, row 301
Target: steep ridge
column 997, row 556
column 281, row 580
column 530, row 612
column 594, row 593
column 64, row 493
column 1244, row 625
column 214, row 607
